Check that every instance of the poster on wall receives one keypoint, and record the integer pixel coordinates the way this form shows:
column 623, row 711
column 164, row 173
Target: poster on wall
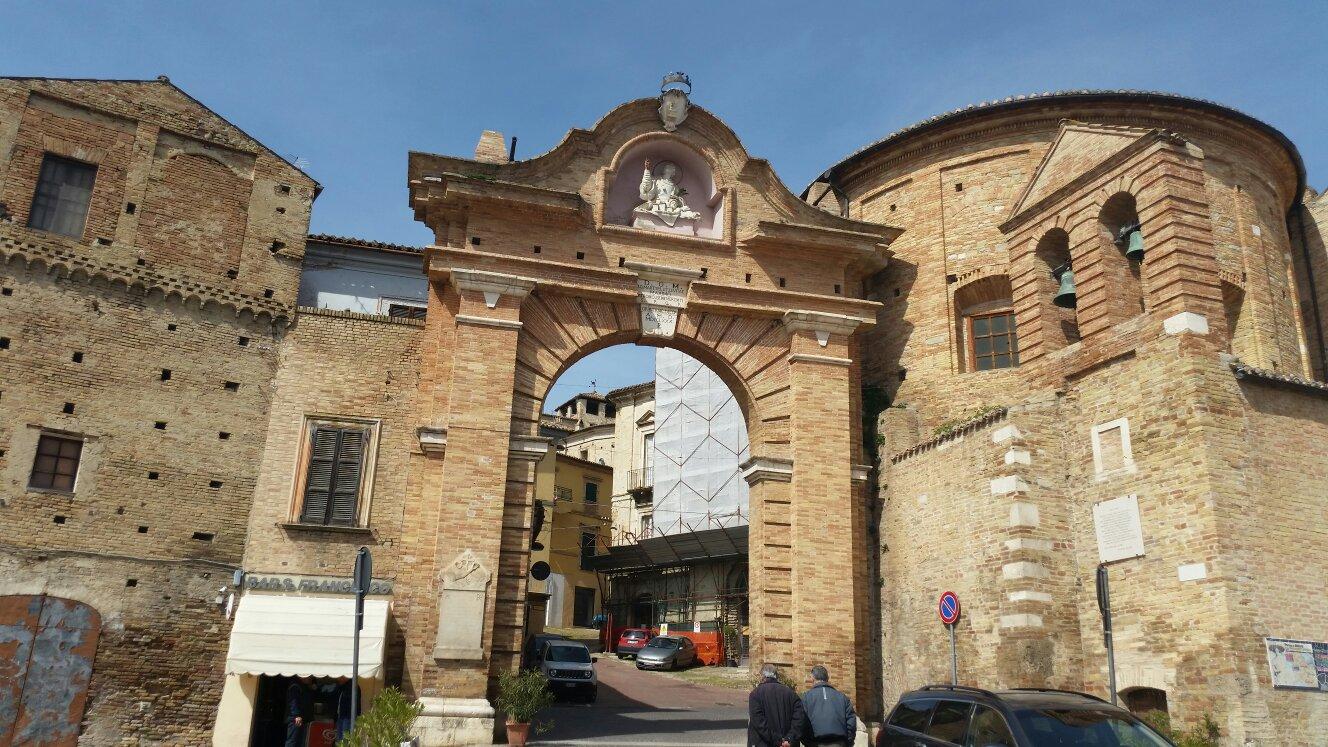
column 1298, row 665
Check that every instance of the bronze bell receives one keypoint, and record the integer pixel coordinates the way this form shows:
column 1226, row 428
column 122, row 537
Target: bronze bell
column 1065, row 297
column 1133, row 239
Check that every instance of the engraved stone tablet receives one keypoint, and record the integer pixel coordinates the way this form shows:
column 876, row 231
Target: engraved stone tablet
column 464, row 586
column 1119, row 531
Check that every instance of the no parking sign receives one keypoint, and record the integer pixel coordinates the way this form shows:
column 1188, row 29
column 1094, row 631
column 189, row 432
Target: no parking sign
column 949, row 608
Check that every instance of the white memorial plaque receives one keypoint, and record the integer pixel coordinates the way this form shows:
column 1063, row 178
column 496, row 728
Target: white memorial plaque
column 660, row 301
column 464, row 586
column 1120, row 533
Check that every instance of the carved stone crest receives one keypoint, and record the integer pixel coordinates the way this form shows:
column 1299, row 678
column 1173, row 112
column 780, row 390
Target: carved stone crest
column 673, row 101
column 464, row 586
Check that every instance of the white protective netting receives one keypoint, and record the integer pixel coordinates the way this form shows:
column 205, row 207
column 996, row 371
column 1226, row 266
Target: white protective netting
column 700, row 439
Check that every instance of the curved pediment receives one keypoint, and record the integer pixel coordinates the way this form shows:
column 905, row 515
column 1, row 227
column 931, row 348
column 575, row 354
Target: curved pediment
column 719, row 192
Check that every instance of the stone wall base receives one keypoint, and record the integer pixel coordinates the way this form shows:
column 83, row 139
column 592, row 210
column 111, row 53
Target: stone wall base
column 454, row 721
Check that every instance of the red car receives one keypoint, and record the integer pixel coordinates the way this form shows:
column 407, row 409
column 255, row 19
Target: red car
column 631, row 641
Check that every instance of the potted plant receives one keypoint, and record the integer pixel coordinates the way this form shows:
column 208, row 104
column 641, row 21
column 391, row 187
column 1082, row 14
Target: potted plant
column 522, row 695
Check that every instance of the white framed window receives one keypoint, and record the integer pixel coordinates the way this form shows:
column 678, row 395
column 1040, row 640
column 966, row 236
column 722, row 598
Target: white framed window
column 334, row 472
column 1112, row 453
column 402, row 308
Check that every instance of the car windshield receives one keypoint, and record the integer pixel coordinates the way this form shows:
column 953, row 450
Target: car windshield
column 573, row 654
column 1087, row 727
column 662, row 642
column 634, row 634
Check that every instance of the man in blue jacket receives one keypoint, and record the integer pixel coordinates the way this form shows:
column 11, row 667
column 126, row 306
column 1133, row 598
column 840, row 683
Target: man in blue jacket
column 830, row 716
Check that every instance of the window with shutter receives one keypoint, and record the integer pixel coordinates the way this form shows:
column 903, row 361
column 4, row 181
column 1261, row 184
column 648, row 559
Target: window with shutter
column 332, row 486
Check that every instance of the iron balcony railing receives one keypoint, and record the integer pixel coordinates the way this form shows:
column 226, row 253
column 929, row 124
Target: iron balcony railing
column 641, row 479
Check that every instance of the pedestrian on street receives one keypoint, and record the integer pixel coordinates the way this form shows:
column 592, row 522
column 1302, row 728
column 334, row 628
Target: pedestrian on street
column 297, row 711
column 830, row 716
column 774, row 713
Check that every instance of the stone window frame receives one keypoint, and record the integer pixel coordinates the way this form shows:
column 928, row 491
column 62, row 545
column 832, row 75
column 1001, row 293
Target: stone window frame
column 364, row 501
column 1127, row 449
column 79, row 461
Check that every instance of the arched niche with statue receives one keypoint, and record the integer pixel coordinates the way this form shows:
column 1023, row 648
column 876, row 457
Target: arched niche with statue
column 679, row 196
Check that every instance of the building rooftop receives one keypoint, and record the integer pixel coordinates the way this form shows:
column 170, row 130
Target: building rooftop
column 327, row 238
column 645, row 386
column 1082, row 96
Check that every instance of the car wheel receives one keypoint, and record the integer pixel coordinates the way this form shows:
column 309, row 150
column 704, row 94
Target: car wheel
column 622, row 656
column 639, row 665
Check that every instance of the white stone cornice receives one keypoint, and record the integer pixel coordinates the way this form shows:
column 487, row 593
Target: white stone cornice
column 647, row 271
column 433, row 441
column 528, row 448
column 827, row 359
column 820, row 323
column 760, row 469
column 485, row 321
column 493, row 285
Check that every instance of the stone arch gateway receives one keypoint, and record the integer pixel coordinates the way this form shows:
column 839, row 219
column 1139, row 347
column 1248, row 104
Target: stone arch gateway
column 533, row 267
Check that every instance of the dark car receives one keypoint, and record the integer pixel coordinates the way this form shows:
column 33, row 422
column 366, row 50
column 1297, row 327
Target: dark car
column 631, row 641
column 533, row 652
column 953, row 715
column 667, row 652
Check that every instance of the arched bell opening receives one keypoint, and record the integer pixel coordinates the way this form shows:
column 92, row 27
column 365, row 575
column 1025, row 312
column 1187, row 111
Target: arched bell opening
column 1057, row 291
column 1122, row 247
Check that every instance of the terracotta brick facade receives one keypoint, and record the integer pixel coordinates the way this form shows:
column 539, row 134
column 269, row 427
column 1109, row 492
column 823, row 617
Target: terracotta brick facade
column 131, row 338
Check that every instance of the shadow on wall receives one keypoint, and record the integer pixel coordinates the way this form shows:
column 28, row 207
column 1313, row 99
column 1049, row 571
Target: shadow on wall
column 892, row 287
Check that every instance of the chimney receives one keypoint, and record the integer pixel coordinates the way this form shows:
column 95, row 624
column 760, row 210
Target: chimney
column 492, row 147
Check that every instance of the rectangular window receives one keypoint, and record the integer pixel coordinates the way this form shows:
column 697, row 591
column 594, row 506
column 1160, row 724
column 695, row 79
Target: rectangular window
column 64, row 191
column 56, row 464
column 592, row 492
column 332, row 484
column 993, row 341
column 592, row 407
column 406, row 311
column 587, row 548
column 647, row 524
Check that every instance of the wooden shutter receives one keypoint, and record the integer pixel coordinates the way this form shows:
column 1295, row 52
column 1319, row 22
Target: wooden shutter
column 332, row 488
column 345, row 494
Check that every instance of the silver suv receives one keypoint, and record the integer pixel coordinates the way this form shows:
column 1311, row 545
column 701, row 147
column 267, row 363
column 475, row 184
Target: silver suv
column 570, row 669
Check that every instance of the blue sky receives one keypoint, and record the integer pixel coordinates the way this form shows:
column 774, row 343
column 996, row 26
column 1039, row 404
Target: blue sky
column 349, row 88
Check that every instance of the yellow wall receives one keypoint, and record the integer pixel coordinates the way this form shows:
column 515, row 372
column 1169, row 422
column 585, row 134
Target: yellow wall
column 565, row 519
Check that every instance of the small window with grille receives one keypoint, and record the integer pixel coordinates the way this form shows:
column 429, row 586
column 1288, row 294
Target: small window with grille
column 993, row 341
column 406, row 311
column 56, row 464
column 337, row 464
column 64, row 191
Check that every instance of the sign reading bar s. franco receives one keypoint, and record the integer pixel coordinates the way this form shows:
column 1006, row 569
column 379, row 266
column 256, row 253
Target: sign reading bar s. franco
column 1297, row 665
column 312, row 585
column 1120, row 533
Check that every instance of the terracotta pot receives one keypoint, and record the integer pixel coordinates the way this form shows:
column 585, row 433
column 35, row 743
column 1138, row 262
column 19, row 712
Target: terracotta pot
column 517, row 734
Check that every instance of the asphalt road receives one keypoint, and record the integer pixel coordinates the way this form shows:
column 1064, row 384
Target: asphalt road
column 648, row 708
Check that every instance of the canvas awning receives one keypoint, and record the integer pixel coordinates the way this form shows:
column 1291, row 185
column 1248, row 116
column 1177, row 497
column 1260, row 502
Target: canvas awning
column 305, row 636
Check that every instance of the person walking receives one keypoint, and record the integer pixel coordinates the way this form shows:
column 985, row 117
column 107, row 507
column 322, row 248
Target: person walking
column 774, row 713
column 830, row 716
column 297, row 711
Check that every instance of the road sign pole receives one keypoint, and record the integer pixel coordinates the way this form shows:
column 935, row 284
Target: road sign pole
column 948, row 607
column 360, row 580
column 954, row 657
column 1104, row 605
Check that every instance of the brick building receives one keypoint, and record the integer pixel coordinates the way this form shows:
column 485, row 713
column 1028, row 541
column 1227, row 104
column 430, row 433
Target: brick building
column 179, row 403
column 149, row 256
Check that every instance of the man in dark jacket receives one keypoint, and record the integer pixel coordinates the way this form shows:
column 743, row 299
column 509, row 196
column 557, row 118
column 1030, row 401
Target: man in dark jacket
column 774, row 713
column 297, row 711
column 830, row 716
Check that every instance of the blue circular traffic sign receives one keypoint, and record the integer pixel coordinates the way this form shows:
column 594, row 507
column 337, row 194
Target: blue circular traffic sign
column 949, row 608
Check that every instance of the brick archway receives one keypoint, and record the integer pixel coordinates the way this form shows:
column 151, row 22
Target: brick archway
column 526, row 278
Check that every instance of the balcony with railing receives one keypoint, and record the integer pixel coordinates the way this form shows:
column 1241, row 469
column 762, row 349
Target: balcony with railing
column 641, row 484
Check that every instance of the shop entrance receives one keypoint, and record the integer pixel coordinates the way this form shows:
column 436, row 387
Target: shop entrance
column 323, row 700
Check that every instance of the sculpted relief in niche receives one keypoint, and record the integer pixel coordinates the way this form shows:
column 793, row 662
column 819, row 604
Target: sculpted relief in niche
column 663, row 185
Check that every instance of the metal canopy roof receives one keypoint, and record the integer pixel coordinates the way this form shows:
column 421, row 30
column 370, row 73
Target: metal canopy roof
column 672, row 550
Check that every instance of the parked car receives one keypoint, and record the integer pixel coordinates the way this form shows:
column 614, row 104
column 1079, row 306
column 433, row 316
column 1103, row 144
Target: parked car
column 533, row 652
column 667, row 652
column 570, row 669
column 631, row 641
column 950, row 715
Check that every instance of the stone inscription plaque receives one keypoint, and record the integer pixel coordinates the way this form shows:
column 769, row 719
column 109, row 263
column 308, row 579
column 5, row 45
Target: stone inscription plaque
column 464, row 587
column 1120, row 532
